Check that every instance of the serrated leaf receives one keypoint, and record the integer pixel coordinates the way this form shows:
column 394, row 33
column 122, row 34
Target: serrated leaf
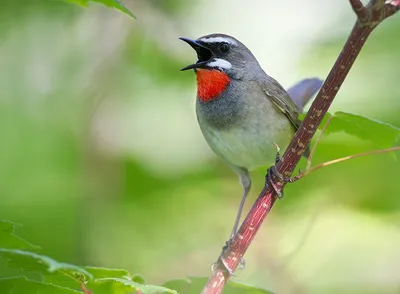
column 29, row 261
column 22, row 285
column 98, row 280
column 127, row 286
column 103, row 272
column 110, row 3
column 195, row 285
column 8, row 238
column 381, row 134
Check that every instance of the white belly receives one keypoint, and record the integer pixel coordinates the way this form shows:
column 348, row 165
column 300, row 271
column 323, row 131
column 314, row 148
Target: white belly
column 249, row 147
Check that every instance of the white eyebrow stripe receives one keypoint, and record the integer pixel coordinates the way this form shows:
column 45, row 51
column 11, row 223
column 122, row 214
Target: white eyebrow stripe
column 218, row 40
column 221, row 63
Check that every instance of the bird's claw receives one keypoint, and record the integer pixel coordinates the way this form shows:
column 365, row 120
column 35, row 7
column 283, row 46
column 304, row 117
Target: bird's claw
column 242, row 263
column 225, row 265
column 271, row 174
column 278, row 156
column 221, row 262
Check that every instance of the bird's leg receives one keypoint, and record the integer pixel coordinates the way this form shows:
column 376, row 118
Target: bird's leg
column 245, row 181
column 246, row 190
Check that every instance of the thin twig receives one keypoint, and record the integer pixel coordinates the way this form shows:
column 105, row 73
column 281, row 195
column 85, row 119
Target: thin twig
column 359, row 9
column 337, row 160
column 316, row 143
column 377, row 11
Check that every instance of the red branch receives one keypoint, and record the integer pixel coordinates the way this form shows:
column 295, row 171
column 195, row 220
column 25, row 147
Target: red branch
column 368, row 17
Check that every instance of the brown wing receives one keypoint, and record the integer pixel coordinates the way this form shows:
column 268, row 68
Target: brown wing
column 278, row 95
column 283, row 102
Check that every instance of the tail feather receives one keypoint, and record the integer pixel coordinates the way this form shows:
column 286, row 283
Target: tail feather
column 303, row 91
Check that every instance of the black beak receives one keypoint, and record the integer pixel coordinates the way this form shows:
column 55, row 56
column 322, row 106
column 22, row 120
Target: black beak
column 204, row 54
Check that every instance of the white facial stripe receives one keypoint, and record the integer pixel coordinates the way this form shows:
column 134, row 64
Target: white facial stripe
column 221, row 63
column 218, row 40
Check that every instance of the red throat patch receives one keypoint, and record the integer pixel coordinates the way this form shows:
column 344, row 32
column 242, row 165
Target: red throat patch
column 210, row 84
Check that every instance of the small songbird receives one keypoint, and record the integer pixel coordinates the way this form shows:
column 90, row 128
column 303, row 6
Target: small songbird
column 242, row 111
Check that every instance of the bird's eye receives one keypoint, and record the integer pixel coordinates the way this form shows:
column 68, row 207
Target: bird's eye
column 224, row 47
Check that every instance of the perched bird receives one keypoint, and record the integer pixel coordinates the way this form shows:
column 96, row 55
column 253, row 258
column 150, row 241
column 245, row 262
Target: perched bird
column 242, row 112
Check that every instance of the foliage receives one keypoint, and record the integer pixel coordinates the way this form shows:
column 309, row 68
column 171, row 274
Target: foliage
column 57, row 277
column 62, row 278
column 381, row 134
column 110, row 3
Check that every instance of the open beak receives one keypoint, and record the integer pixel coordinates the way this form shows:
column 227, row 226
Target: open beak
column 204, row 54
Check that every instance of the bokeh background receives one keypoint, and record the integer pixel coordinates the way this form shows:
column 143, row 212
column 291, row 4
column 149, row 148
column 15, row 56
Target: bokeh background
column 102, row 161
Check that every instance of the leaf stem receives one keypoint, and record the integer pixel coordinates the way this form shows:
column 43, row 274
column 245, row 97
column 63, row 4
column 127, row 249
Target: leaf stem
column 345, row 158
column 316, row 143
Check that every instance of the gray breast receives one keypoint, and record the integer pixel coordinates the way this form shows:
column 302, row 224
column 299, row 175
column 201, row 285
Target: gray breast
column 224, row 112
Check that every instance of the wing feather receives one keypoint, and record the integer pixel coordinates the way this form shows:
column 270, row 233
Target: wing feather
column 281, row 99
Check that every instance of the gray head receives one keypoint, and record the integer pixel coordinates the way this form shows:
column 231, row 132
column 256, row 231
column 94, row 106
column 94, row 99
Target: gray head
column 222, row 52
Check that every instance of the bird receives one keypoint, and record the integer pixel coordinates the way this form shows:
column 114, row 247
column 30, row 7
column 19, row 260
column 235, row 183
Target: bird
column 243, row 112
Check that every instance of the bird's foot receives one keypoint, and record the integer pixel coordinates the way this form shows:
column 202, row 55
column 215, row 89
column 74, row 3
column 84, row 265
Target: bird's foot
column 242, row 262
column 274, row 178
column 273, row 174
column 221, row 262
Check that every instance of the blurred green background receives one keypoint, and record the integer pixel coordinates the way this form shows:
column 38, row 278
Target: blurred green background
column 104, row 165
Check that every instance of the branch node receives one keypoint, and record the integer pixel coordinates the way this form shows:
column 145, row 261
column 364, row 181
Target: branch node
column 375, row 12
column 359, row 10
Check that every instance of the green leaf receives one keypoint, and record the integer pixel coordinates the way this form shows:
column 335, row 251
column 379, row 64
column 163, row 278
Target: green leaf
column 59, row 277
column 8, row 238
column 138, row 279
column 195, row 286
column 22, row 285
column 381, row 134
column 103, row 272
column 67, row 276
column 29, row 261
column 110, row 3
column 119, row 285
